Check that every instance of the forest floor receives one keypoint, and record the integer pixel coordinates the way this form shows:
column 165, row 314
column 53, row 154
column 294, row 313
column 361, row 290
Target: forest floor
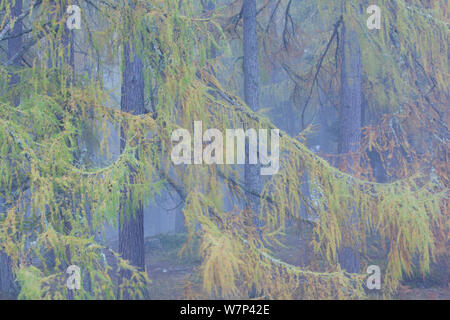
column 169, row 271
column 410, row 293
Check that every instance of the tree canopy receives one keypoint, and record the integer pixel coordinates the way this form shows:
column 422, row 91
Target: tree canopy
column 62, row 179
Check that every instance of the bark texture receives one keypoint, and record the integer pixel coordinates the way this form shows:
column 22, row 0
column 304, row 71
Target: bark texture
column 131, row 230
column 350, row 127
column 253, row 181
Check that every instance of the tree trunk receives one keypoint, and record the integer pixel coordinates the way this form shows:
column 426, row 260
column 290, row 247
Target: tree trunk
column 252, row 177
column 7, row 284
column 350, row 128
column 14, row 46
column 131, row 230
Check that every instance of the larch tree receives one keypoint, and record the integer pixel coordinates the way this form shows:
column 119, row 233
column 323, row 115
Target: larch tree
column 311, row 63
column 170, row 41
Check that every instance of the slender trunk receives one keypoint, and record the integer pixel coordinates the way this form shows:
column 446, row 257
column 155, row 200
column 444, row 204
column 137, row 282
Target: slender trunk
column 131, row 230
column 252, row 177
column 14, row 46
column 350, row 129
column 7, row 283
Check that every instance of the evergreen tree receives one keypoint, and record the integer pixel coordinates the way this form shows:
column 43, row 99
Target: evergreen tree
column 56, row 198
